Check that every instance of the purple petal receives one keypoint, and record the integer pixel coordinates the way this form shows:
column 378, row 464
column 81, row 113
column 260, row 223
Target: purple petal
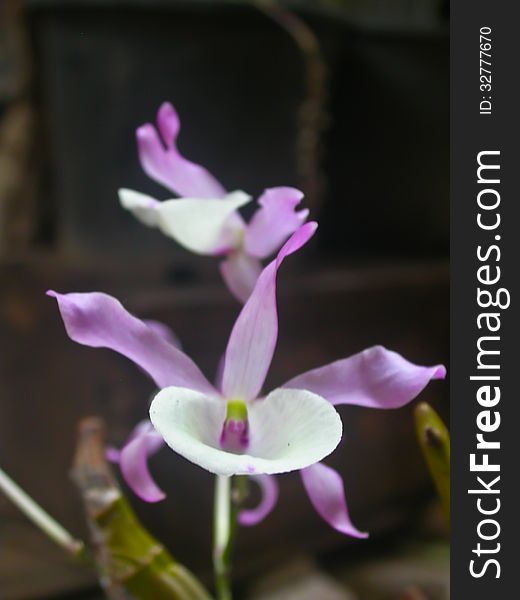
column 253, row 338
column 164, row 331
column 269, row 490
column 142, row 443
column 100, row 321
column 113, row 455
column 134, row 466
column 240, row 273
column 161, row 160
column 143, row 427
column 376, row 378
column 325, row 489
column 275, row 221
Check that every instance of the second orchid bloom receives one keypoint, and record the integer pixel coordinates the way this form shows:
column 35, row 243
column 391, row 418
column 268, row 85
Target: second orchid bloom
column 205, row 218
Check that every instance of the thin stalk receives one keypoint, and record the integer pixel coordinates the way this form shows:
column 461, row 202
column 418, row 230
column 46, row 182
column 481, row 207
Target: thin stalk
column 222, row 537
column 33, row 511
column 229, row 496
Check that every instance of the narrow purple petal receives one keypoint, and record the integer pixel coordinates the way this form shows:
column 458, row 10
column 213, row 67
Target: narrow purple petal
column 142, row 443
column 274, row 221
column 168, row 124
column 164, row 331
column 113, row 455
column 134, row 466
column 240, row 273
column 325, row 489
column 161, row 160
column 376, row 378
column 143, row 427
column 269, row 491
column 100, row 321
column 253, row 338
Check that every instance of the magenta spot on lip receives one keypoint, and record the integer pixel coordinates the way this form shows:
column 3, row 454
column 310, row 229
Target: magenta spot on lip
column 250, row 469
column 235, row 435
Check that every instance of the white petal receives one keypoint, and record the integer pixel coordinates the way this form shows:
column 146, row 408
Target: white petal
column 204, row 226
column 292, row 429
column 288, row 430
column 143, row 207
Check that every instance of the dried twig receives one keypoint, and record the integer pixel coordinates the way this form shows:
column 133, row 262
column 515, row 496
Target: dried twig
column 313, row 118
column 414, row 593
column 131, row 563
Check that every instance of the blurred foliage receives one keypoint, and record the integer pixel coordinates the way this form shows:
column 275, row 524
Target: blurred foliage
column 434, row 439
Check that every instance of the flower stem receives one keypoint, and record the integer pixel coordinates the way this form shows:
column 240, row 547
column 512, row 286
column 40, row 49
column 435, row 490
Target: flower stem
column 224, row 526
column 33, row 511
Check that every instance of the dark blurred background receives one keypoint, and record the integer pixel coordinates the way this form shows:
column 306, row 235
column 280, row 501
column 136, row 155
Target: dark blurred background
column 347, row 99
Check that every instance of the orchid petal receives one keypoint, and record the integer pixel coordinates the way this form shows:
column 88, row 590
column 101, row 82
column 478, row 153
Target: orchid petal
column 166, row 165
column 275, row 221
column 134, row 466
column 253, row 338
column 269, row 490
column 142, row 443
column 164, row 331
column 376, row 378
column 100, row 321
column 288, row 430
column 325, row 489
column 204, row 226
column 113, row 454
column 143, row 207
column 240, row 273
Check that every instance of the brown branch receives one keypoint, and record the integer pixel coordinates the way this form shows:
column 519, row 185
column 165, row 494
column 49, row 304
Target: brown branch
column 99, row 491
column 414, row 593
column 131, row 563
column 313, row 118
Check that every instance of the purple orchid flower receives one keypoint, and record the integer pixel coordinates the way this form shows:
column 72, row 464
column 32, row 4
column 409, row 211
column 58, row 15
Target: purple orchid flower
column 234, row 429
column 205, row 219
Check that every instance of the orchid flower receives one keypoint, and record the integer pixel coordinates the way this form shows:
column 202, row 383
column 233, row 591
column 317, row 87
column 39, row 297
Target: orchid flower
column 205, row 219
column 234, row 429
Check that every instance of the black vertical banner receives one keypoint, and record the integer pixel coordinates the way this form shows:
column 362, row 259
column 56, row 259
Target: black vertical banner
column 485, row 268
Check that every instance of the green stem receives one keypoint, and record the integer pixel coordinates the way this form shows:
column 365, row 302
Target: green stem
column 229, row 495
column 33, row 511
column 223, row 533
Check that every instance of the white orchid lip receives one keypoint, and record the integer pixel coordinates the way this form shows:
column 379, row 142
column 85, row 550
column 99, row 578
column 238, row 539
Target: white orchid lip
column 288, row 430
column 202, row 225
column 143, row 207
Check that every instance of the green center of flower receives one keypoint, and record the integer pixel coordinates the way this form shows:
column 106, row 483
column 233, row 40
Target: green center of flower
column 236, row 409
